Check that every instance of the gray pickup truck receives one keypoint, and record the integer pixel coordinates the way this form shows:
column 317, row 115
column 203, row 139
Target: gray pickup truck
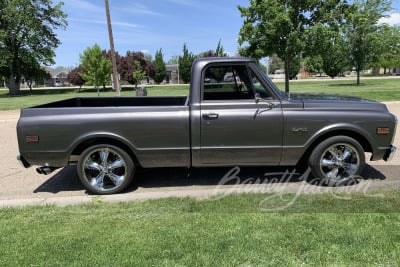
column 234, row 116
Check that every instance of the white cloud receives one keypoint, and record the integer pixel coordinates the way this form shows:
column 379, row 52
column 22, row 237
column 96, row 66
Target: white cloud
column 139, row 9
column 88, row 21
column 189, row 3
column 84, row 5
column 104, row 22
column 393, row 19
column 126, row 24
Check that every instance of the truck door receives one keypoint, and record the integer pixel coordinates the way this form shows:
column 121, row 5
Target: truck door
column 241, row 122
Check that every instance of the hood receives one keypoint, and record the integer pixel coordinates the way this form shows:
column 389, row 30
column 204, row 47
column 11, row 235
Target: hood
column 326, row 97
column 337, row 102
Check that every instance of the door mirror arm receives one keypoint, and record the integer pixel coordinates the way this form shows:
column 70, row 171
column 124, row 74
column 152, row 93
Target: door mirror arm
column 259, row 111
column 257, row 97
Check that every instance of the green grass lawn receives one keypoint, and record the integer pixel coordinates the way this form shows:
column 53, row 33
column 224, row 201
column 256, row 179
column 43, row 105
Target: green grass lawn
column 317, row 230
column 41, row 96
column 373, row 89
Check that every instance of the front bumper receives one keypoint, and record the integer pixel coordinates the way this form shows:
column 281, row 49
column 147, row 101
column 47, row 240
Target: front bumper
column 389, row 154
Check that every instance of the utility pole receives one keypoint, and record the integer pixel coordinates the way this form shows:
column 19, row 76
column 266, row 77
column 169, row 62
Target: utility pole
column 113, row 59
column 178, row 70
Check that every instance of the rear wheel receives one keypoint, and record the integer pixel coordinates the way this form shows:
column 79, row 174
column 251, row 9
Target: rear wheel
column 105, row 169
column 337, row 160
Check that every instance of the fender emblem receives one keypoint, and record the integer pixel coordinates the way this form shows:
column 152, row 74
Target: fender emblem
column 32, row 138
column 299, row 130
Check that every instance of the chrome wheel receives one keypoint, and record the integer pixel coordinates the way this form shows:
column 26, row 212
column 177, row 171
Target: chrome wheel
column 337, row 160
column 105, row 169
column 340, row 161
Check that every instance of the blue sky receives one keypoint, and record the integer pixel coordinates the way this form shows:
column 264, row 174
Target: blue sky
column 147, row 26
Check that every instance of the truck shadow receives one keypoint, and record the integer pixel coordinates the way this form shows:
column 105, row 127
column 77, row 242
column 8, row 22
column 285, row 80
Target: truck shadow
column 67, row 179
column 165, row 177
column 64, row 180
column 216, row 176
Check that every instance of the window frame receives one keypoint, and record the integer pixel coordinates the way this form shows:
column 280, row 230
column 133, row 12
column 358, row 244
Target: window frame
column 249, row 71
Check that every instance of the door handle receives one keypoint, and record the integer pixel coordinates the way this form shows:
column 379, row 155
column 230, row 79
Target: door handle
column 210, row 116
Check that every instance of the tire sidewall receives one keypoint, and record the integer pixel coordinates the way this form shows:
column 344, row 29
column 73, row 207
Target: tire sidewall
column 125, row 156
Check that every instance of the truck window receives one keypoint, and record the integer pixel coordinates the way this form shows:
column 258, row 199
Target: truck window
column 227, row 82
column 259, row 87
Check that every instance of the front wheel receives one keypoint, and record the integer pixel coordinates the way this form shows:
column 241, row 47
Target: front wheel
column 337, row 160
column 105, row 169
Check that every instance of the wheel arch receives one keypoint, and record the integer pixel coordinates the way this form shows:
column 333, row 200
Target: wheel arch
column 109, row 139
column 361, row 139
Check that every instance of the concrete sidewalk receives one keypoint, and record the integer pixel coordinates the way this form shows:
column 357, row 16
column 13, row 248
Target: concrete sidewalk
column 9, row 115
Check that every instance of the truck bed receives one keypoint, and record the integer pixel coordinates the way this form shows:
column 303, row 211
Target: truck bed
column 155, row 128
column 117, row 102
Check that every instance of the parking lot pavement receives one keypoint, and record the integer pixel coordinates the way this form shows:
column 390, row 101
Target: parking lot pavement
column 20, row 186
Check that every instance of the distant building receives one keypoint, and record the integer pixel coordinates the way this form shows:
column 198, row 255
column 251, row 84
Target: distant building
column 58, row 76
column 380, row 71
column 172, row 73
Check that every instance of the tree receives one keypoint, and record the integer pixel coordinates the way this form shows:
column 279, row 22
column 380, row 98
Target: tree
column 148, row 57
column 74, row 76
column 138, row 74
column 98, row 69
column 279, row 26
column 390, row 37
column 314, row 64
column 161, row 69
column 127, row 66
column 27, row 33
column 362, row 32
column 334, row 63
column 107, row 54
column 335, row 59
column 185, row 64
column 208, row 53
column 2, row 81
column 220, row 50
column 294, row 67
column 35, row 72
column 275, row 64
column 328, row 44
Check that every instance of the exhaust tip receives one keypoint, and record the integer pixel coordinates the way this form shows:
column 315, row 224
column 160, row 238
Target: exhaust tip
column 45, row 170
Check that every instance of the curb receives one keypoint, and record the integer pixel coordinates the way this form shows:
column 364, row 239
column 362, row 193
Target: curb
column 217, row 192
column 8, row 120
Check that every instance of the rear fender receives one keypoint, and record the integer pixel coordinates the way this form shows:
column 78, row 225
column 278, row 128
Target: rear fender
column 90, row 139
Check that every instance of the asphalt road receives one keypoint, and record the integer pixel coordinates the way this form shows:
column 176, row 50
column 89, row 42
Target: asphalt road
column 20, row 186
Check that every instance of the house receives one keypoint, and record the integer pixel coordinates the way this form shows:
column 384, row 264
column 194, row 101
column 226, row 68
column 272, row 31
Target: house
column 58, row 76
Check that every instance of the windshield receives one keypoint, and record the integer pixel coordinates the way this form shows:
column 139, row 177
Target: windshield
column 271, row 84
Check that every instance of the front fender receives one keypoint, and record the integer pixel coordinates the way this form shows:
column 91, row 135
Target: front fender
column 293, row 153
column 360, row 134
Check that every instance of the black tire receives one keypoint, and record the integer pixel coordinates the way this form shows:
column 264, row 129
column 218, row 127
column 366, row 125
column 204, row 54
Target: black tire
column 338, row 160
column 105, row 169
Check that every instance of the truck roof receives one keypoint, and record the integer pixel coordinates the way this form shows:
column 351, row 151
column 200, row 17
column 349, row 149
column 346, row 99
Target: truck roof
column 207, row 60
